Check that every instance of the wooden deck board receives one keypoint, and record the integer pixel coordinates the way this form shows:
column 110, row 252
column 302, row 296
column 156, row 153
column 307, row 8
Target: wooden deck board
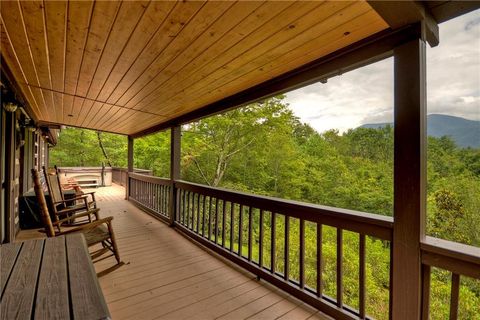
column 166, row 276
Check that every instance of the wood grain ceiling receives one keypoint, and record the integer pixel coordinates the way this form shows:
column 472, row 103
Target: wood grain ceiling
column 126, row 66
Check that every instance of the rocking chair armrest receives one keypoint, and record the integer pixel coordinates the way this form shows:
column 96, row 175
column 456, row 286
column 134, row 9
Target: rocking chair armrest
column 79, row 215
column 92, row 193
column 70, row 199
column 90, row 225
column 70, row 210
column 81, row 197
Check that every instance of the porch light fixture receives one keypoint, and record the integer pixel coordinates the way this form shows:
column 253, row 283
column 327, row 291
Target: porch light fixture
column 10, row 106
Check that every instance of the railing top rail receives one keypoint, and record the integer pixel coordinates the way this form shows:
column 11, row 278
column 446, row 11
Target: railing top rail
column 151, row 179
column 456, row 257
column 361, row 222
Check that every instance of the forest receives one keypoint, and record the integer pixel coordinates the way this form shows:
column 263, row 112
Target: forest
column 263, row 148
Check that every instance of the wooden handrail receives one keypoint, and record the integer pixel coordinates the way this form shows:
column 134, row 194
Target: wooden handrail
column 364, row 223
column 151, row 179
column 456, row 257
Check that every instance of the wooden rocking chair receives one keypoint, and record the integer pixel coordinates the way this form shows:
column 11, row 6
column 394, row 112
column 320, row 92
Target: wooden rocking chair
column 96, row 232
column 61, row 206
column 75, row 186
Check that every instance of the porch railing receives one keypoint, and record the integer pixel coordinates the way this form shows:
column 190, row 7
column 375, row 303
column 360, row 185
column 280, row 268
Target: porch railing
column 151, row 193
column 119, row 175
column 459, row 259
column 267, row 235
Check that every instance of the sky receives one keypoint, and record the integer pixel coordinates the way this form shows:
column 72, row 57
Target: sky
column 366, row 95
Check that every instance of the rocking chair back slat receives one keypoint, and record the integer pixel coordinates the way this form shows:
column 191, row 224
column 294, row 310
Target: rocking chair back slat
column 47, row 222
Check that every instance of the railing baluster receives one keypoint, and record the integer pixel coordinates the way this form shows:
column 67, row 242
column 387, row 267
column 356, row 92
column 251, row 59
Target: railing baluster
column 302, row 254
column 339, row 267
column 273, row 242
column 198, row 213
column 210, row 219
column 286, row 247
column 455, row 290
column 319, row 261
column 185, row 206
column 194, row 208
column 240, row 230
column 223, row 222
column 216, row 221
column 361, row 275
column 250, row 233
column 426, row 269
column 161, row 199
column 158, row 198
column 260, row 240
column 203, row 215
column 150, row 195
column 188, row 209
column 232, row 225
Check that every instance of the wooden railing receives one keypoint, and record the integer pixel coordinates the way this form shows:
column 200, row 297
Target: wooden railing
column 151, row 193
column 119, row 175
column 459, row 259
column 255, row 232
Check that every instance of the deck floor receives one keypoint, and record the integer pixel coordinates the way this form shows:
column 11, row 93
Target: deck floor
column 166, row 276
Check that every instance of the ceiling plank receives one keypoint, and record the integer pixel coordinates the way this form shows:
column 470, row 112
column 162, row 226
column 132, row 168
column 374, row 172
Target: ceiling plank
column 78, row 23
column 228, row 21
column 32, row 13
column 322, row 16
column 128, row 18
column 14, row 72
column 229, row 81
column 101, row 23
column 143, row 34
column 284, row 15
column 185, row 38
column 14, row 28
column 175, row 22
column 279, row 62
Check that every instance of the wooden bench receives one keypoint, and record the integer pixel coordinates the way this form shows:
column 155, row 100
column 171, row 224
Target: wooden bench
column 50, row 278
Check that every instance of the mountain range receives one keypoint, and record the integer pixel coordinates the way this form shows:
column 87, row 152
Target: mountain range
column 465, row 133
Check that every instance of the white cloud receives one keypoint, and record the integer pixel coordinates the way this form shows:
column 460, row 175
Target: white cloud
column 366, row 95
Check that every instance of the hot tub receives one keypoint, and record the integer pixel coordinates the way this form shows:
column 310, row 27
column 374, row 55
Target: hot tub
column 88, row 176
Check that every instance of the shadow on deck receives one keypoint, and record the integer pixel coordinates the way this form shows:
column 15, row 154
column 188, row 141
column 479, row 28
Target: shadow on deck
column 166, row 276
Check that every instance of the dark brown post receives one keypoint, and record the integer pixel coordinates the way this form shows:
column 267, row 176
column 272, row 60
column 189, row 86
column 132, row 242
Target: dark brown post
column 129, row 166
column 175, row 142
column 409, row 178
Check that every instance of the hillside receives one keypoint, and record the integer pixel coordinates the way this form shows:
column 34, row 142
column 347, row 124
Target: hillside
column 466, row 133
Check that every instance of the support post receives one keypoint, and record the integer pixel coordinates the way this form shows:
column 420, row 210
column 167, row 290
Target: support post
column 409, row 178
column 9, row 177
column 129, row 166
column 175, row 148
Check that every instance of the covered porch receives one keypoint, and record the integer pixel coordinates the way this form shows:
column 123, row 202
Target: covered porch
column 136, row 68
column 167, row 276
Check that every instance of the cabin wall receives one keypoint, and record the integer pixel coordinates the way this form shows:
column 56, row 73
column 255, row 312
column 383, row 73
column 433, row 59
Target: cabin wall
column 21, row 150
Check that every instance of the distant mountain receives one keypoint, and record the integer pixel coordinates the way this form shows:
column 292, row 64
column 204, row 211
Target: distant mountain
column 465, row 133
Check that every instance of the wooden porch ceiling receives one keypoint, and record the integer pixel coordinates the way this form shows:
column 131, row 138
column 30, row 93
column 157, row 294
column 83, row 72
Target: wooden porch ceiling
column 126, row 66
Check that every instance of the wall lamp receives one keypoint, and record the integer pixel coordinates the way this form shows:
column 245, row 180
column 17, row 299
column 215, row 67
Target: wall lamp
column 10, row 106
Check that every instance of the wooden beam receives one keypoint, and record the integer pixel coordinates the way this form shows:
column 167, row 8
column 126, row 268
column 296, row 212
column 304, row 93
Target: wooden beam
column 398, row 14
column 129, row 165
column 175, row 149
column 9, row 158
column 445, row 10
column 409, row 178
column 367, row 51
